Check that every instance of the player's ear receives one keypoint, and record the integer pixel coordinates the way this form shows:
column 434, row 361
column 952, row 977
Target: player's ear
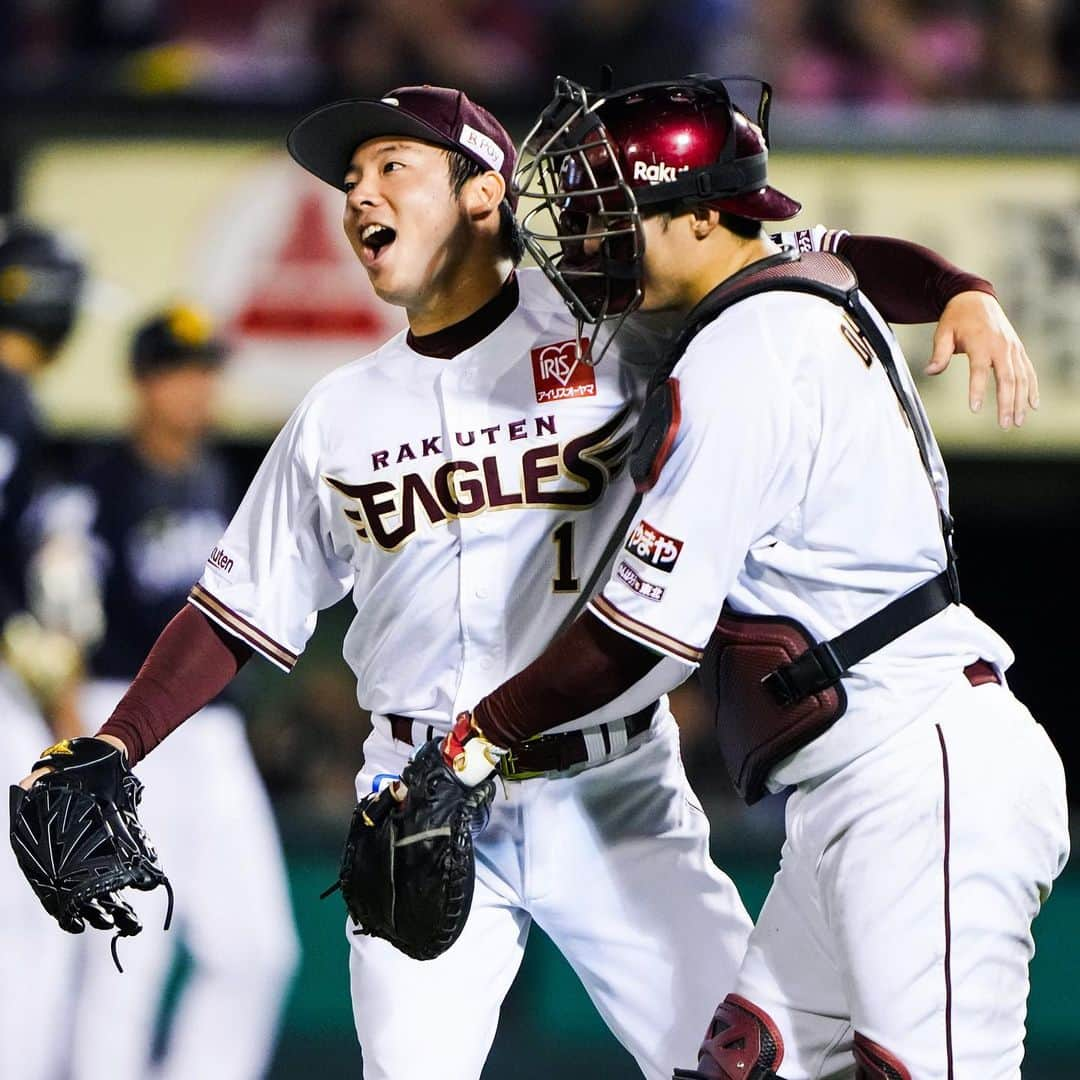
column 704, row 221
column 482, row 194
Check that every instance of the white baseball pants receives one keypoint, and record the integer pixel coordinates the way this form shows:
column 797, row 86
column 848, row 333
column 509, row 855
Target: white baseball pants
column 613, row 864
column 903, row 905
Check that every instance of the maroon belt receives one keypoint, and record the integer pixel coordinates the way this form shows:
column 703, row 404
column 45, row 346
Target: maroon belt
column 401, row 729
column 982, row 671
column 543, row 753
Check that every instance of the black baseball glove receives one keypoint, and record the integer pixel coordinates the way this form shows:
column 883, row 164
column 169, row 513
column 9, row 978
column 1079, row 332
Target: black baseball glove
column 408, row 868
column 79, row 842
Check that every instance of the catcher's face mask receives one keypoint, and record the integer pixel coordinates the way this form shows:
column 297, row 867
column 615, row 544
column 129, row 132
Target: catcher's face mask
column 596, row 162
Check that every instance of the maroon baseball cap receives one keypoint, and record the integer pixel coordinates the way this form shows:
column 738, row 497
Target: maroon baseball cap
column 324, row 141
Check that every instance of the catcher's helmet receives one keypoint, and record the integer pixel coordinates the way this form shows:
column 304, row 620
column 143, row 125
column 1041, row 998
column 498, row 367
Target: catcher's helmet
column 594, row 162
column 41, row 280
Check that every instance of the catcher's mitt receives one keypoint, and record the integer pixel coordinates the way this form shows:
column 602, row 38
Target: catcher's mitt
column 78, row 839
column 408, row 868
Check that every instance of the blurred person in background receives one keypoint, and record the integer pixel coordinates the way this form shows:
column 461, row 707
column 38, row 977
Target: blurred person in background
column 151, row 508
column 41, row 282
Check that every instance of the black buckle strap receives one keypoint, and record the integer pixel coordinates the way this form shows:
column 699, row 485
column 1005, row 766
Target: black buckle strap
column 816, row 670
column 827, row 662
column 920, row 430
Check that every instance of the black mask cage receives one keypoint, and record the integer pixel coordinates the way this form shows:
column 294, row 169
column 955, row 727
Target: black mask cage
column 580, row 218
column 572, row 191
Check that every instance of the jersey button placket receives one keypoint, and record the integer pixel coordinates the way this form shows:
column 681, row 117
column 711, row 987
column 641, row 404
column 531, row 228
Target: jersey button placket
column 465, row 398
column 480, row 567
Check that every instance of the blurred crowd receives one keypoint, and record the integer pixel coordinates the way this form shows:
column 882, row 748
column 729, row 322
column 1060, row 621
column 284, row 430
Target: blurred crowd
column 293, row 52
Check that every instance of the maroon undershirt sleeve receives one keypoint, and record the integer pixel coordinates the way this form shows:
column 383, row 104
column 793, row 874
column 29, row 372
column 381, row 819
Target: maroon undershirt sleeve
column 584, row 668
column 906, row 282
column 190, row 664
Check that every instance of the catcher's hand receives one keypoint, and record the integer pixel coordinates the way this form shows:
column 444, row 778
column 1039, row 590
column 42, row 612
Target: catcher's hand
column 974, row 323
column 408, row 868
column 79, row 842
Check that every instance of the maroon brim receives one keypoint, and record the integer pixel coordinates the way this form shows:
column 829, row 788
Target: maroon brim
column 767, row 204
column 325, row 140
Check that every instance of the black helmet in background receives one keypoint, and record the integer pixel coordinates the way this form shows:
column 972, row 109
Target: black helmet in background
column 41, row 282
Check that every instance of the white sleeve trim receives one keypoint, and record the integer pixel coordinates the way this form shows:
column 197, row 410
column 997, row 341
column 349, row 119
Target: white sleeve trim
column 649, row 636
column 239, row 627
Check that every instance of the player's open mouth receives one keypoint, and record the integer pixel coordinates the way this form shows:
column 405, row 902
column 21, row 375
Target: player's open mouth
column 376, row 239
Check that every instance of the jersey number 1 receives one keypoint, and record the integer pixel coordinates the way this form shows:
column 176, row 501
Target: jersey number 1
column 563, row 539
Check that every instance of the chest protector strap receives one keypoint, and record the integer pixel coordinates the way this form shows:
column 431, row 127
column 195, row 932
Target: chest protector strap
column 773, row 688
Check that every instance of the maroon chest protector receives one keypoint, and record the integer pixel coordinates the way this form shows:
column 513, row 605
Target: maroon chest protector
column 771, row 686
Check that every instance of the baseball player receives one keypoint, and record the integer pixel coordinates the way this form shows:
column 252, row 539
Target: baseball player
column 151, row 508
column 793, row 542
column 464, row 483
column 41, row 282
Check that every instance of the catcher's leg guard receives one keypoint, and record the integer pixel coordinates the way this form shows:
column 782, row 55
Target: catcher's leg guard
column 873, row 1062
column 742, row 1043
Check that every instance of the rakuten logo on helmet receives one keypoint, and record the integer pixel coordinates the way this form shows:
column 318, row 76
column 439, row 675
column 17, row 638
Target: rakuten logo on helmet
column 658, row 173
column 559, row 373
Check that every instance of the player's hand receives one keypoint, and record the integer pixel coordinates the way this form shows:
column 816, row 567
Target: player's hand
column 466, row 751
column 28, row 781
column 974, row 323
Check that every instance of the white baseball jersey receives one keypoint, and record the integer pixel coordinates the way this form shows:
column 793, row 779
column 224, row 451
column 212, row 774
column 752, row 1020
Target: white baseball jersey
column 794, row 487
column 449, row 495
